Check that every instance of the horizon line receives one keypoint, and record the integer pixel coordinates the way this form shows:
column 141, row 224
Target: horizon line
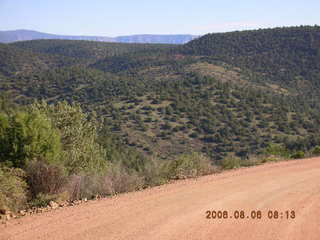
column 159, row 34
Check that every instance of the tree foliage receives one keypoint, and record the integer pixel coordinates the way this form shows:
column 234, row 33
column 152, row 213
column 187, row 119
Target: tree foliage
column 25, row 136
column 78, row 130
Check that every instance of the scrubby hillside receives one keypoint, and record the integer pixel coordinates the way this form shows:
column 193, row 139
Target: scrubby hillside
column 287, row 56
column 16, row 61
column 89, row 50
column 219, row 94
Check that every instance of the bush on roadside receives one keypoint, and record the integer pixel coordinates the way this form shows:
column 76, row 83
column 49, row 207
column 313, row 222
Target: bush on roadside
column 189, row 166
column 231, row 161
column 271, row 158
column 298, row 155
column 252, row 160
column 118, row 179
column 13, row 189
column 277, row 150
column 45, row 178
column 316, row 150
column 155, row 172
column 85, row 186
column 115, row 179
column 42, row 200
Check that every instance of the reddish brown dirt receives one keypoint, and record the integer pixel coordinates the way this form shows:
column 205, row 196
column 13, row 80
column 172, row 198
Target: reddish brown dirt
column 177, row 211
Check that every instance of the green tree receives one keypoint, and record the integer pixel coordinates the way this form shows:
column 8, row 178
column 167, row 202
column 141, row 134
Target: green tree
column 27, row 136
column 79, row 136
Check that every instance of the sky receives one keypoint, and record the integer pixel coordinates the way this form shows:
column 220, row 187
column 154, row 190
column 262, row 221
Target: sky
column 126, row 17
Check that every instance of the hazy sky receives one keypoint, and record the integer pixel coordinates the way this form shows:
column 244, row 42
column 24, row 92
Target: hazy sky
column 123, row 17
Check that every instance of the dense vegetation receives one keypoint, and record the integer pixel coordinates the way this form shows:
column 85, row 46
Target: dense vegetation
column 120, row 117
column 15, row 61
column 52, row 152
column 288, row 56
column 84, row 50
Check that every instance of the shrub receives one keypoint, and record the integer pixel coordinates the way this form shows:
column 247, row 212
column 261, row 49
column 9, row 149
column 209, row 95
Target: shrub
column 85, row 186
column 277, row 150
column 43, row 178
column 118, row 179
column 12, row 189
column 155, row 172
column 188, row 166
column 271, row 158
column 316, row 150
column 252, row 160
column 42, row 200
column 297, row 155
column 230, row 162
column 132, row 159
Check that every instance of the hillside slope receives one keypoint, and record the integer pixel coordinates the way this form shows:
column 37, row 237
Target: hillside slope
column 217, row 94
column 88, row 51
column 16, row 61
column 287, row 56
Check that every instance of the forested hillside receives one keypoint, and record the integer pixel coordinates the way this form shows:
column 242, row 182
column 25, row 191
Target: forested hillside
column 15, row 61
column 222, row 93
column 84, row 50
column 288, row 56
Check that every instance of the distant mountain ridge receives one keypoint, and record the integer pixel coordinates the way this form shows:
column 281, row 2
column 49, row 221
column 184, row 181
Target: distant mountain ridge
column 24, row 35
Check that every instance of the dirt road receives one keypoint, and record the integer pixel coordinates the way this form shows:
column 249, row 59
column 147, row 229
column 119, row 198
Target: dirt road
column 178, row 211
